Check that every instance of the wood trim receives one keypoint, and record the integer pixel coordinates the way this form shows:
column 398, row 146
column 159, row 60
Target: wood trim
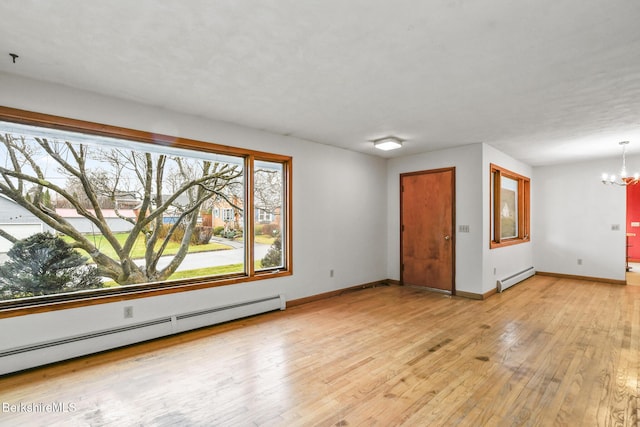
column 489, row 293
column 45, row 307
column 74, row 125
column 472, row 295
column 338, row 292
column 497, row 226
column 13, row 308
column 526, row 221
column 249, row 250
column 288, row 208
column 453, row 230
column 508, row 242
column 524, row 207
column 584, row 278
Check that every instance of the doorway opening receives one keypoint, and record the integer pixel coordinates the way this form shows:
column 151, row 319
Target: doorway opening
column 632, row 230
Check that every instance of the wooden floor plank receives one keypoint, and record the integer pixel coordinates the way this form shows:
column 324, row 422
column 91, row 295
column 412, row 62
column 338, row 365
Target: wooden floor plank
column 548, row 351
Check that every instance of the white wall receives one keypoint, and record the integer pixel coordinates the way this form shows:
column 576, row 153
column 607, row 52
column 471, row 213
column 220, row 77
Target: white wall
column 468, row 163
column 502, row 262
column 573, row 213
column 335, row 215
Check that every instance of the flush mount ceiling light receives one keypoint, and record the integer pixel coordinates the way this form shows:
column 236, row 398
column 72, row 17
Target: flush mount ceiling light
column 623, row 178
column 387, row 143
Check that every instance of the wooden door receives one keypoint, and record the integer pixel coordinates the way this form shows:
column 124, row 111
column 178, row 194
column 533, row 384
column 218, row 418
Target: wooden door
column 427, row 246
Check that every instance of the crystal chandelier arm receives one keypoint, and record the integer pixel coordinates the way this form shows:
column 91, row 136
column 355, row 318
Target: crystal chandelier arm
column 624, row 177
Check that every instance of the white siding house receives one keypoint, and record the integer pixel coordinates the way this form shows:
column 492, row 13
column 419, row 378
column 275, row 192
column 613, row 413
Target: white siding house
column 83, row 225
column 17, row 221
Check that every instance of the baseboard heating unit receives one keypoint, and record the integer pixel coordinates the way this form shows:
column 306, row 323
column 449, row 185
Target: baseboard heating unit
column 507, row 282
column 29, row 356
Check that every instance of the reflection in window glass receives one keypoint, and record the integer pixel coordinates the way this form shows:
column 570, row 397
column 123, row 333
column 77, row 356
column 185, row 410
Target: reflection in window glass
column 134, row 213
column 508, row 208
column 269, row 211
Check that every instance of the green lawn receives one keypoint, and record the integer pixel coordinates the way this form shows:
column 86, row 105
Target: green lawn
column 264, row 239
column 200, row 272
column 139, row 247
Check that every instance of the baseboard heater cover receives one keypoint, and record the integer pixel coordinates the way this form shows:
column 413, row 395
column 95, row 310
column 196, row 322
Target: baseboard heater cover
column 518, row 277
column 29, row 356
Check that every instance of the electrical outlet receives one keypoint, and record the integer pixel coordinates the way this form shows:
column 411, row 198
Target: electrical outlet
column 128, row 312
column 331, row 273
column 579, row 261
column 615, row 227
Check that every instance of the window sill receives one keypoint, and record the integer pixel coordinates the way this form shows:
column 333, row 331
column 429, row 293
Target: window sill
column 509, row 242
column 22, row 307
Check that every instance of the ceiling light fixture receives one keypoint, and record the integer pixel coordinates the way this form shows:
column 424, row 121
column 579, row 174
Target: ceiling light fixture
column 624, row 178
column 387, row 143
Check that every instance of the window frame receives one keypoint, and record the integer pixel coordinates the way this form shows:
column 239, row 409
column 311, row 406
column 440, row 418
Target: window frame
column 523, row 207
column 19, row 307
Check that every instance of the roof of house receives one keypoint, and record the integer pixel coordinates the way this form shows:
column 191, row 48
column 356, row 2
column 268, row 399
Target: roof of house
column 108, row 213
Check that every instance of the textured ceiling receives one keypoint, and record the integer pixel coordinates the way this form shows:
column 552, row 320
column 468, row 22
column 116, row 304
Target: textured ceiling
column 545, row 81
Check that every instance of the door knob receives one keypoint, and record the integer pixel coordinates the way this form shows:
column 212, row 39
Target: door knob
column 446, row 237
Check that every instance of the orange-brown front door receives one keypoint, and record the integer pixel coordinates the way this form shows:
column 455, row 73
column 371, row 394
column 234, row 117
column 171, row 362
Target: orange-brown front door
column 427, row 229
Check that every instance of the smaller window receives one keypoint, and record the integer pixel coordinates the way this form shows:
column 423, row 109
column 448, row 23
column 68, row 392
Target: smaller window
column 264, row 216
column 509, row 207
column 227, row 214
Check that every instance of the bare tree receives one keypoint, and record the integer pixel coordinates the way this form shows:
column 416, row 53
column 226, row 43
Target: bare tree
column 268, row 189
column 121, row 171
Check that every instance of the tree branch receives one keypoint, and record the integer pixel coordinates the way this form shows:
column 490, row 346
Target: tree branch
column 8, row 236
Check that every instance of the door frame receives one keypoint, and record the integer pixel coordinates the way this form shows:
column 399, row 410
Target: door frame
column 452, row 169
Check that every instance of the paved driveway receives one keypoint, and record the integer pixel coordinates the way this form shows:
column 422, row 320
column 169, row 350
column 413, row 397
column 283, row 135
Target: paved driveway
column 216, row 258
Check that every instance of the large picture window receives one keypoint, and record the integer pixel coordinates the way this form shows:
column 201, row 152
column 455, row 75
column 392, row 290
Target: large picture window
column 509, row 207
column 88, row 211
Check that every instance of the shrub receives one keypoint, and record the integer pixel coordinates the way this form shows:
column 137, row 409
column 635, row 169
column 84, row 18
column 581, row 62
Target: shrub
column 270, row 229
column 44, row 264
column 273, row 257
column 201, row 235
column 177, row 235
column 257, row 228
column 164, row 230
column 232, row 233
column 217, row 231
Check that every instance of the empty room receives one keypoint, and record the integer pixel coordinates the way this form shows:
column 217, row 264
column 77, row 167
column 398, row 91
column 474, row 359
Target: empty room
column 331, row 213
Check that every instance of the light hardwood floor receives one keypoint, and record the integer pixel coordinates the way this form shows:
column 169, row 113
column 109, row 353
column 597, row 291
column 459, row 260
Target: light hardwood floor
column 633, row 275
column 546, row 352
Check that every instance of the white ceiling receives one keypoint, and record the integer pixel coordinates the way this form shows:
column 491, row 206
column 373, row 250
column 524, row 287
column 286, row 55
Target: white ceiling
column 545, row 81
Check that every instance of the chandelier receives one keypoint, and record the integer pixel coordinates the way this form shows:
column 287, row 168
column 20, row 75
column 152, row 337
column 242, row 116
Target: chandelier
column 623, row 178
